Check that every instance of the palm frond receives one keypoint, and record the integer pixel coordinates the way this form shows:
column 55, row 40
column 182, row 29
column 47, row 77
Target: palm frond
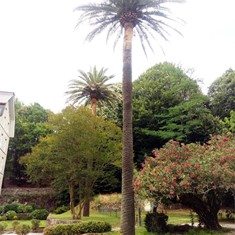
column 93, row 83
column 152, row 16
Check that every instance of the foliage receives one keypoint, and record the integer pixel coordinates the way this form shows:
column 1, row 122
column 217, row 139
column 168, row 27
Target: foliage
column 29, row 127
column 21, row 208
column 39, row 214
column 2, row 227
column 35, row 223
column 22, row 229
column 61, row 229
column 3, row 218
column 40, row 197
column 80, row 228
column 222, row 95
column 14, row 224
column 130, row 18
column 168, row 104
column 93, row 85
column 197, row 175
column 17, row 207
column 28, row 208
column 94, row 227
column 11, row 215
column 63, row 155
column 229, row 122
column 11, row 207
column 146, row 18
column 2, row 209
column 156, row 222
column 61, row 209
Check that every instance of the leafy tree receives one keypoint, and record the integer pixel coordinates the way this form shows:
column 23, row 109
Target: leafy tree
column 222, row 94
column 196, row 175
column 190, row 121
column 92, row 87
column 229, row 122
column 168, row 104
column 63, row 156
column 144, row 17
column 29, row 127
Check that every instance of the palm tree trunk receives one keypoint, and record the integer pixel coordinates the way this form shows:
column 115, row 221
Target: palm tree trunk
column 86, row 208
column 93, row 106
column 128, row 207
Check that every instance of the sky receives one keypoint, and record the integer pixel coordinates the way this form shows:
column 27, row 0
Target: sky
column 41, row 49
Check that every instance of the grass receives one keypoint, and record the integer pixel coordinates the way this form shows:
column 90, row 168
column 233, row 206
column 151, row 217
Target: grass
column 175, row 217
column 112, row 218
column 180, row 217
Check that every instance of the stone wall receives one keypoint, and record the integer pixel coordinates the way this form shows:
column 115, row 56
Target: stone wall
column 40, row 197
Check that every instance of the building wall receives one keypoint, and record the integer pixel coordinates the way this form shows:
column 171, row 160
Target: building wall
column 4, row 139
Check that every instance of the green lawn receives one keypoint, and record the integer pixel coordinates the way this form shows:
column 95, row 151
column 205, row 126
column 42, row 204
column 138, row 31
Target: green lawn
column 174, row 217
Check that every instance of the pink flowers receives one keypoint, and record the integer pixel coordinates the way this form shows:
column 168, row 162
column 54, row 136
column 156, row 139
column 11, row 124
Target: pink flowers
column 179, row 169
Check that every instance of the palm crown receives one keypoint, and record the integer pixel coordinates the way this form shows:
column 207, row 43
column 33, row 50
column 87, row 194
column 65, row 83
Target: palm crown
column 146, row 16
column 92, row 86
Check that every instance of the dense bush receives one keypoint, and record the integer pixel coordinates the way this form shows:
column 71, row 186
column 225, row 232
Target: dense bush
column 17, row 207
column 94, row 227
column 28, row 208
column 79, row 228
column 156, row 222
column 11, row 215
column 3, row 218
column 15, row 224
column 11, row 207
column 40, row 214
column 2, row 227
column 35, row 223
column 2, row 209
column 59, row 229
column 22, row 229
column 61, row 209
column 21, row 208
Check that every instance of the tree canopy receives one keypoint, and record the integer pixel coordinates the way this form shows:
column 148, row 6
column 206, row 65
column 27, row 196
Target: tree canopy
column 29, row 127
column 222, row 94
column 168, row 104
column 93, row 88
column 194, row 174
column 63, row 155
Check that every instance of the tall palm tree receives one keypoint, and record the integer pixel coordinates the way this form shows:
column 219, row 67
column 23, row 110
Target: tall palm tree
column 92, row 88
column 124, row 17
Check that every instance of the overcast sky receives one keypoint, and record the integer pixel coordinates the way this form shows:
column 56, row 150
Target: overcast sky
column 40, row 49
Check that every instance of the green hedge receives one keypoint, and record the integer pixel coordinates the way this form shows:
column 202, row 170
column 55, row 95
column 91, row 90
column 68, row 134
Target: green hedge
column 79, row 228
column 40, row 214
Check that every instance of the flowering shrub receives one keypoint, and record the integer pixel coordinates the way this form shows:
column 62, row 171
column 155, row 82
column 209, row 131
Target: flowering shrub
column 189, row 172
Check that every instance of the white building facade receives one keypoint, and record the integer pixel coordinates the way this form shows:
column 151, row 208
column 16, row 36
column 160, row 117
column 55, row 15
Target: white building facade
column 7, row 127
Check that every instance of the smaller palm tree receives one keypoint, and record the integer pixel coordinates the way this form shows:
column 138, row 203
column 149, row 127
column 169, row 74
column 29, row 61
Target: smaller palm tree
column 92, row 88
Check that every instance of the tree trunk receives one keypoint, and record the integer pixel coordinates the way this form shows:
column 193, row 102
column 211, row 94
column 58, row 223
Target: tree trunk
column 71, row 197
column 206, row 209
column 128, row 207
column 87, row 192
column 93, row 105
column 86, row 208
